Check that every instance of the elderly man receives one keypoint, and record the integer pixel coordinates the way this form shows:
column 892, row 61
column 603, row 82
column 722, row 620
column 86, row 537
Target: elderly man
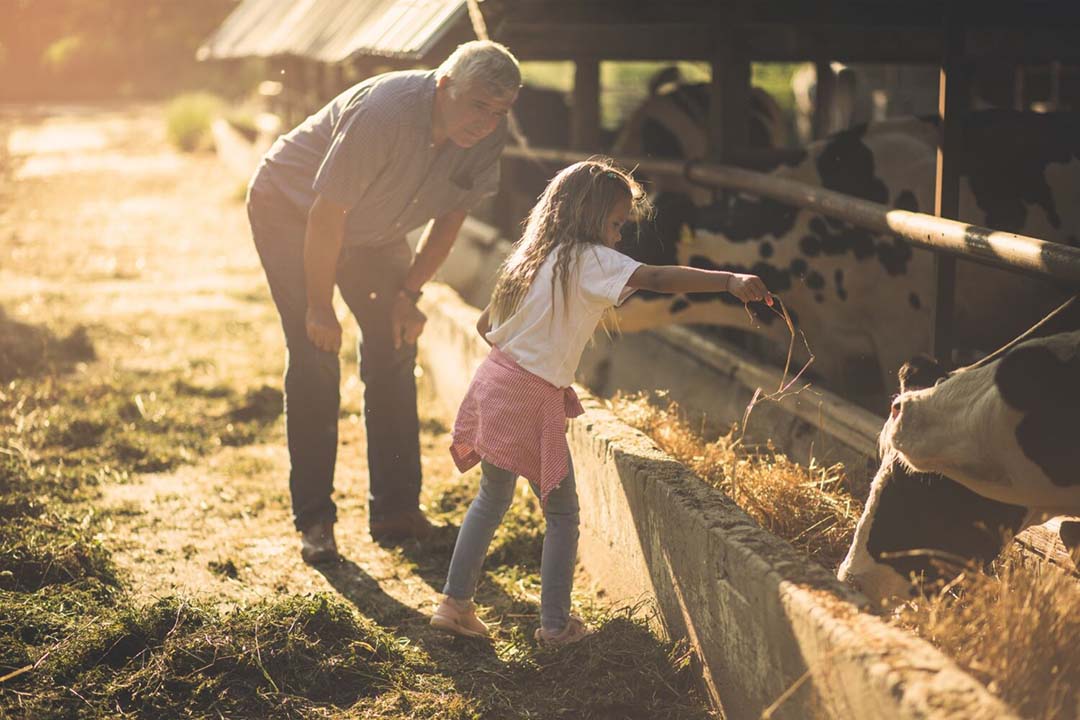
column 330, row 204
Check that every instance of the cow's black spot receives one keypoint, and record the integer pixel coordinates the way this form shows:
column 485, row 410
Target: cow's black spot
column 658, row 141
column 846, row 165
column 906, row 200
column 838, row 277
column 678, row 306
column 766, row 250
column 914, row 301
column 835, row 237
column 1046, row 389
column 810, row 245
column 798, row 267
column 814, row 280
column 918, row 512
column 1005, row 155
column 894, row 256
column 742, row 218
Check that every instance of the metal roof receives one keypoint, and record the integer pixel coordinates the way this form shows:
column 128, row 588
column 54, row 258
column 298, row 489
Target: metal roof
column 333, row 30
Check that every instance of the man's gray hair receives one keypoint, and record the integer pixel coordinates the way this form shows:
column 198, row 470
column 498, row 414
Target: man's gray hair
column 482, row 62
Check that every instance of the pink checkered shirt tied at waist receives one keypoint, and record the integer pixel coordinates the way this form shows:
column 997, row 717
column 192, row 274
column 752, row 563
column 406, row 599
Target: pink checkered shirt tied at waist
column 515, row 420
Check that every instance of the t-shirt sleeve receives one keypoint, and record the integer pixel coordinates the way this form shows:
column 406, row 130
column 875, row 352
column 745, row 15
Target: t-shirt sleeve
column 604, row 273
column 358, row 151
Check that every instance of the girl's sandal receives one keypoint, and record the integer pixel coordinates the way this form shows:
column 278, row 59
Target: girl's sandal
column 575, row 630
column 459, row 617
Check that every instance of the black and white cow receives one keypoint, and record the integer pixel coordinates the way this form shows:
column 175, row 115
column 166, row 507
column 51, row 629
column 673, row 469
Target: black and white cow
column 971, row 458
column 1007, row 430
column 860, row 298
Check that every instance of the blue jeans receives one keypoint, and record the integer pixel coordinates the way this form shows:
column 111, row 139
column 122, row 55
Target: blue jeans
column 368, row 279
column 560, row 542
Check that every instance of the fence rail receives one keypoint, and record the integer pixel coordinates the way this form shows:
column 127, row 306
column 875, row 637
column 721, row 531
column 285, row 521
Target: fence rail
column 1016, row 252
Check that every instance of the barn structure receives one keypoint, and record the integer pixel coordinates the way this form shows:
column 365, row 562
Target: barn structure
column 321, row 46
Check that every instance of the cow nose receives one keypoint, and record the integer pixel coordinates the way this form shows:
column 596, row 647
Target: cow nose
column 894, row 411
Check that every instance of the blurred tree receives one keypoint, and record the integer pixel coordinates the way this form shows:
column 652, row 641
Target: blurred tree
column 78, row 49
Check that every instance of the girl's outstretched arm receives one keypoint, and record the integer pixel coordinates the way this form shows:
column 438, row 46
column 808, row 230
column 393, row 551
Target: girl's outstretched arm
column 681, row 279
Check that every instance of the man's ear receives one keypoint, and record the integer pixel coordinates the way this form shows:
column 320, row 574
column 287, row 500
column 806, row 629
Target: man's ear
column 443, row 82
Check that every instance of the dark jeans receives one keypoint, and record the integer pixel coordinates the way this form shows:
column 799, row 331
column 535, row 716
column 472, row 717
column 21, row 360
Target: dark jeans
column 368, row 279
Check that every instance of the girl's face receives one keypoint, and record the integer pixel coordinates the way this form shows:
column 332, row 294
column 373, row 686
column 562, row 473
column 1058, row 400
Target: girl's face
column 617, row 217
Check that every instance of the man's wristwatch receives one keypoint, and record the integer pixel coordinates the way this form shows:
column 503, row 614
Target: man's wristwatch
column 412, row 295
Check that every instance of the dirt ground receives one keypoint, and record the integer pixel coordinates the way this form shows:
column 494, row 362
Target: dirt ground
column 104, row 227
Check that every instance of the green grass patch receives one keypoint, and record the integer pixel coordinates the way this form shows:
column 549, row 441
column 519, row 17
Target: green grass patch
column 96, row 655
column 188, row 120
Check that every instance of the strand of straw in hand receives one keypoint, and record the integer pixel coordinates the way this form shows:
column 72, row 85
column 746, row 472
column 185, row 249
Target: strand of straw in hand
column 784, row 388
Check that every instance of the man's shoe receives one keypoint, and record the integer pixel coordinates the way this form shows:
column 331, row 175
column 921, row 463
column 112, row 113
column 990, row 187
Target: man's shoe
column 317, row 543
column 401, row 526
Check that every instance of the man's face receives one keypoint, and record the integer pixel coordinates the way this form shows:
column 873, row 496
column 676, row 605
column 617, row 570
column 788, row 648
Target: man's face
column 474, row 113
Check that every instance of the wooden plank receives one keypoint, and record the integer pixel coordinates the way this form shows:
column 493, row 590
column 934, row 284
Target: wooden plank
column 1043, row 541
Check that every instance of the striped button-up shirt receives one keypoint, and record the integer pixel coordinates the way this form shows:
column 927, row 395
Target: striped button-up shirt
column 516, row 421
column 371, row 149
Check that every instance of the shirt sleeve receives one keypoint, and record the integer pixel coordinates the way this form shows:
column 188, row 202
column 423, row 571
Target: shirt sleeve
column 604, row 273
column 359, row 149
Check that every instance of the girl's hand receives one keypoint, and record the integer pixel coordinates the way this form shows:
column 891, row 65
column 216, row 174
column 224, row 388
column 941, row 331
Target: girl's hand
column 749, row 288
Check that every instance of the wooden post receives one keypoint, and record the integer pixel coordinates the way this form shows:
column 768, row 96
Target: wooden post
column 729, row 99
column 1018, row 87
column 585, row 113
column 953, row 101
column 824, row 91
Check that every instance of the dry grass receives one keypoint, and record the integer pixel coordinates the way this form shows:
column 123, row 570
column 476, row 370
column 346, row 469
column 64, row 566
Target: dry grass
column 1014, row 629
column 808, row 507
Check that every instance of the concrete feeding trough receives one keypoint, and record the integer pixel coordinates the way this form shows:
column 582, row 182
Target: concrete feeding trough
column 770, row 628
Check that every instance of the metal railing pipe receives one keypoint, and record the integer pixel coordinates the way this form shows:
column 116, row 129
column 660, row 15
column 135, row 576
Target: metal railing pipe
column 1020, row 252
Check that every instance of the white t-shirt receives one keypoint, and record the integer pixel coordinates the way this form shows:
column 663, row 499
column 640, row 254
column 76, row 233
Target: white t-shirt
column 547, row 336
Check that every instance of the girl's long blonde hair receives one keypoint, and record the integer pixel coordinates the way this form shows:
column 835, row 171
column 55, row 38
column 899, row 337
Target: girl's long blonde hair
column 570, row 214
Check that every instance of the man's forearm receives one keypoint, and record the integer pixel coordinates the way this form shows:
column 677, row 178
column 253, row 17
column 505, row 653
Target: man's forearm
column 322, row 247
column 434, row 246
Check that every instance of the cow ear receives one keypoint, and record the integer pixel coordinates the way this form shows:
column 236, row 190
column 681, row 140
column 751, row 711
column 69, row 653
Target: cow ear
column 1029, row 376
column 922, row 371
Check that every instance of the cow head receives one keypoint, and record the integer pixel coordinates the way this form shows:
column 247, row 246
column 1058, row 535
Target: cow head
column 1004, row 429
column 922, row 526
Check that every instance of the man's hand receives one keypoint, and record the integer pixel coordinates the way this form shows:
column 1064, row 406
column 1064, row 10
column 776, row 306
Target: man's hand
column 749, row 288
column 323, row 328
column 406, row 321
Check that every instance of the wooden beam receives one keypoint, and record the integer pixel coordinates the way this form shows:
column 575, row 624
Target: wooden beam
column 777, row 42
column 953, row 101
column 585, row 113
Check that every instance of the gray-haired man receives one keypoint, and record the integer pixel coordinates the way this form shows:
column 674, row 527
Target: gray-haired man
column 331, row 203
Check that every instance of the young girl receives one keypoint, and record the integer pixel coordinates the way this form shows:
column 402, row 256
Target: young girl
column 550, row 295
